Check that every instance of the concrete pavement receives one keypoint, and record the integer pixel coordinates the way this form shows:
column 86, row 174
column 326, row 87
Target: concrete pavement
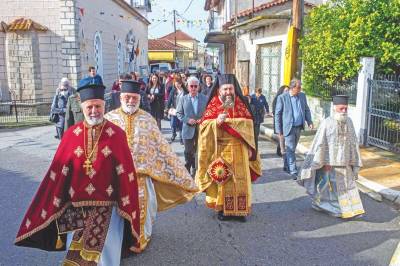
column 282, row 230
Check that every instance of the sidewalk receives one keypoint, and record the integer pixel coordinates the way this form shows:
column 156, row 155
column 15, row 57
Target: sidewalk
column 380, row 175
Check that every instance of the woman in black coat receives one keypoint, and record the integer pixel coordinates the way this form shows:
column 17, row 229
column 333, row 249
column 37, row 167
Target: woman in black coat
column 155, row 93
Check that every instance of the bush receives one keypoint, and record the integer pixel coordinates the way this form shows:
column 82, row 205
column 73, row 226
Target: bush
column 339, row 33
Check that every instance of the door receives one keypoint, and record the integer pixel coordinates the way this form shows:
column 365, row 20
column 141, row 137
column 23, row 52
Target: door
column 269, row 68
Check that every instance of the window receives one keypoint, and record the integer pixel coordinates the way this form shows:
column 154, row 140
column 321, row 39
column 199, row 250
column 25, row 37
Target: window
column 98, row 53
column 120, row 58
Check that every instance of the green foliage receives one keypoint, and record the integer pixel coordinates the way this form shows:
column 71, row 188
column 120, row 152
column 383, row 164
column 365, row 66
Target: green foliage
column 339, row 33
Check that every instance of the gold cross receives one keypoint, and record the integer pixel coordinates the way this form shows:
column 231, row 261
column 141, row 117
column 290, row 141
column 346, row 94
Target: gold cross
column 88, row 166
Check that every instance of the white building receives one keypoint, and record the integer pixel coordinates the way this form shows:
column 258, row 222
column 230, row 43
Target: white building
column 252, row 39
column 42, row 41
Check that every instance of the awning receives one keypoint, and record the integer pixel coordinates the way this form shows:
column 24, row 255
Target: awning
column 259, row 21
column 218, row 37
column 161, row 56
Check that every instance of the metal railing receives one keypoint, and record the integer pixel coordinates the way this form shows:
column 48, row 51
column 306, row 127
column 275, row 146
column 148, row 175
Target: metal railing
column 24, row 111
column 384, row 113
column 325, row 91
column 216, row 22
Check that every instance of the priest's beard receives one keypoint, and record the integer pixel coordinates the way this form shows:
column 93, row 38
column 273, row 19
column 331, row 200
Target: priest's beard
column 129, row 108
column 94, row 120
column 227, row 101
column 340, row 117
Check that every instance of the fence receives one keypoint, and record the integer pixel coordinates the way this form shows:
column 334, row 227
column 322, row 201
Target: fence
column 24, row 111
column 384, row 113
column 325, row 91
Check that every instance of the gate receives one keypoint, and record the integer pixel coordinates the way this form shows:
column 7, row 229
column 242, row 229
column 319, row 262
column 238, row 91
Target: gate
column 384, row 114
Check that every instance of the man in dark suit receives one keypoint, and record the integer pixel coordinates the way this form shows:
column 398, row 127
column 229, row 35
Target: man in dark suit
column 189, row 110
column 291, row 113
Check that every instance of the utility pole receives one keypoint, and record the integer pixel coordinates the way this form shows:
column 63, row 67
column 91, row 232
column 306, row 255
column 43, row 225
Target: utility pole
column 292, row 63
column 175, row 57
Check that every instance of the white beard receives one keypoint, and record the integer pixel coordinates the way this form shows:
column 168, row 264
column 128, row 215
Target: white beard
column 129, row 109
column 340, row 117
column 93, row 121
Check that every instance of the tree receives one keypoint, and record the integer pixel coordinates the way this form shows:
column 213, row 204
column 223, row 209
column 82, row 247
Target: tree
column 339, row 33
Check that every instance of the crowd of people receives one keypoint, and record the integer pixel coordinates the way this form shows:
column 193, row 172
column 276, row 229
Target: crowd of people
column 114, row 171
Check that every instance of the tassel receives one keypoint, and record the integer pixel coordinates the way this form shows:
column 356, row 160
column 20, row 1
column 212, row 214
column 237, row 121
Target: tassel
column 59, row 243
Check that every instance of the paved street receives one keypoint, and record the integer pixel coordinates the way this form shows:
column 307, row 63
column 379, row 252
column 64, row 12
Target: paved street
column 283, row 229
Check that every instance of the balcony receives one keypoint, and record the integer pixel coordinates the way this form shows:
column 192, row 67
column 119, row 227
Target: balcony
column 216, row 23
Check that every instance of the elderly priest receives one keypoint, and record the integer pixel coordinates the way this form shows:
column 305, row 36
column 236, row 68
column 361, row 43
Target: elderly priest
column 88, row 201
column 163, row 180
column 331, row 167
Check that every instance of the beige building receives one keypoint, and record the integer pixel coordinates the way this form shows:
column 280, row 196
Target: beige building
column 187, row 41
column 42, row 41
column 252, row 40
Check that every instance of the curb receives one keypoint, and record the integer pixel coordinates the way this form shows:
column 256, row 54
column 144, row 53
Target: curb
column 372, row 189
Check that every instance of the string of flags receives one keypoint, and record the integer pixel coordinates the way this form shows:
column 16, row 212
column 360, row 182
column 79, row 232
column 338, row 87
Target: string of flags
column 194, row 21
column 189, row 23
column 82, row 12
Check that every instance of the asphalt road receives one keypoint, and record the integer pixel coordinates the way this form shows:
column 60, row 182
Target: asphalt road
column 282, row 230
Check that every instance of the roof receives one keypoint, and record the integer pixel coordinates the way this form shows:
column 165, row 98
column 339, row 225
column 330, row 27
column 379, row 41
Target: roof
column 24, row 24
column 180, row 36
column 261, row 7
column 164, row 45
column 132, row 10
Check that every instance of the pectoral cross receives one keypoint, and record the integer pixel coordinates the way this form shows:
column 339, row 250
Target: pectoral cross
column 88, row 166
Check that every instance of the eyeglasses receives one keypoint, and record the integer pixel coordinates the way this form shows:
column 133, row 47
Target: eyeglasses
column 193, row 86
column 63, row 89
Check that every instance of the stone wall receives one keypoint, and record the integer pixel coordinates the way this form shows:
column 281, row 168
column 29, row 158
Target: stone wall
column 46, row 45
column 23, row 64
column 70, row 52
column 113, row 23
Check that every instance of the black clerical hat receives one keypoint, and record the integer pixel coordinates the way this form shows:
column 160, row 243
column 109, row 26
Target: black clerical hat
column 91, row 91
column 340, row 99
column 130, row 86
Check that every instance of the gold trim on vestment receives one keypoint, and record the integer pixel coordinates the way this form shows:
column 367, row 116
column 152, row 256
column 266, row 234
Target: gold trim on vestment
column 233, row 197
column 70, row 263
column 78, row 204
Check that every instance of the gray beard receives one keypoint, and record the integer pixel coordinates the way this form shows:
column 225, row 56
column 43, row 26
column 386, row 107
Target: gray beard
column 129, row 109
column 94, row 121
column 340, row 117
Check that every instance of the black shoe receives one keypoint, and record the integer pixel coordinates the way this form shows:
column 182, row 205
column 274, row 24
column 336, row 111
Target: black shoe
column 294, row 176
column 221, row 216
column 173, row 138
column 56, row 137
column 181, row 141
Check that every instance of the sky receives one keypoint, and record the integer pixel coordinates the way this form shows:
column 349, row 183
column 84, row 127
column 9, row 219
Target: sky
column 189, row 14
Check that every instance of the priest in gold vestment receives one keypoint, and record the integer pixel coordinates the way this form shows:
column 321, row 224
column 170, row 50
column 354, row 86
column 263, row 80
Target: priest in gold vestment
column 163, row 180
column 228, row 160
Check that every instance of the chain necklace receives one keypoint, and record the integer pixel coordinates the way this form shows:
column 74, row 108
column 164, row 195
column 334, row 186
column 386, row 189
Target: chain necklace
column 88, row 164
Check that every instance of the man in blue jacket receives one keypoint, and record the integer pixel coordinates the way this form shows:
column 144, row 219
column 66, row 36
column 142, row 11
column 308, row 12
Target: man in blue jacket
column 92, row 78
column 291, row 113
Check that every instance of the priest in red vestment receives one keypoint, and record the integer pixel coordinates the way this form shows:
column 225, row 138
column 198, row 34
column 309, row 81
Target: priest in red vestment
column 228, row 159
column 87, row 202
